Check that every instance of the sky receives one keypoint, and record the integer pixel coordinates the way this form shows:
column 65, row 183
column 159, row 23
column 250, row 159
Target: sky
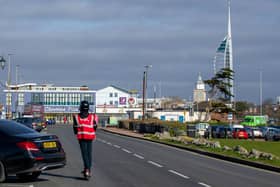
column 108, row 42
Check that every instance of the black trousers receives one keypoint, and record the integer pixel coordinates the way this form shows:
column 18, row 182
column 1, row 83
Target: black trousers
column 86, row 150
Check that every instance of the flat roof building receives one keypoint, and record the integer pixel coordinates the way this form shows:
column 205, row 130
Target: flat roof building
column 59, row 102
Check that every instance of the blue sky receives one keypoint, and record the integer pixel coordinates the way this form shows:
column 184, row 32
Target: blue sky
column 103, row 42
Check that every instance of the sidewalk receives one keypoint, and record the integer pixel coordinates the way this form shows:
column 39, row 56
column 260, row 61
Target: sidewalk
column 122, row 131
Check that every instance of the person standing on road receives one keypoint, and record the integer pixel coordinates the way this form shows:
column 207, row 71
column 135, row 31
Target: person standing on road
column 84, row 126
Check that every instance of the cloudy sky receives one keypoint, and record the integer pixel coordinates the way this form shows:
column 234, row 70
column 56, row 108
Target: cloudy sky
column 103, row 42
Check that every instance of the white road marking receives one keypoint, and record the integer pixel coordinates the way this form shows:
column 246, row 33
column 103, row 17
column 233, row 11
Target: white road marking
column 125, row 150
column 117, row 146
column 179, row 174
column 138, row 156
column 16, row 185
column 203, row 184
column 155, row 164
column 109, row 143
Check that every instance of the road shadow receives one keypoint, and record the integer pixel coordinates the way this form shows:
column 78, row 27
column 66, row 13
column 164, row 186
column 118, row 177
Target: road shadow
column 15, row 180
column 64, row 176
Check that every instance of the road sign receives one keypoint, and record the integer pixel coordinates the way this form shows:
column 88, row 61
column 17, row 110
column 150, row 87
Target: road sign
column 230, row 116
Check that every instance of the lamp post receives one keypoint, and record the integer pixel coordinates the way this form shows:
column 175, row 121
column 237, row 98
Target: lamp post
column 9, row 104
column 2, row 63
column 145, row 90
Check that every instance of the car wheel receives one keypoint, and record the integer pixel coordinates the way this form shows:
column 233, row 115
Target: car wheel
column 29, row 176
column 3, row 174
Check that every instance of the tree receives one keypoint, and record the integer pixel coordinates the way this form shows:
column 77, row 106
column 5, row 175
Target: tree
column 220, row 84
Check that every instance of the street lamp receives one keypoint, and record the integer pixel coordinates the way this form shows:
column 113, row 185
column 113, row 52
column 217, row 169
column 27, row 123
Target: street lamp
column 145, row 77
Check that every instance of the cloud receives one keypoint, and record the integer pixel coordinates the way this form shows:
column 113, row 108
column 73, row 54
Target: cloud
column 99, row 42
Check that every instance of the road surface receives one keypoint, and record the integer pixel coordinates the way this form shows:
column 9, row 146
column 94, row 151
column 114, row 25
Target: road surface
column 122, row 161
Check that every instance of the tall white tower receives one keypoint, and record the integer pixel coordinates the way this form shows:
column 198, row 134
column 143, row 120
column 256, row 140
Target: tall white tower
column 223, row 57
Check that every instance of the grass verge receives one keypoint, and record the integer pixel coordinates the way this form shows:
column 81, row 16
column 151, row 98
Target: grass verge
column 269, row 147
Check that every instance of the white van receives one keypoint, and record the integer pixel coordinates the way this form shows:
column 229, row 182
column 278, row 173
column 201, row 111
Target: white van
column 201, row 128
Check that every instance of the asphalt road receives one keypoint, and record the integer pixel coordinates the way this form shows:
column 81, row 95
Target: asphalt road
column 122, row 161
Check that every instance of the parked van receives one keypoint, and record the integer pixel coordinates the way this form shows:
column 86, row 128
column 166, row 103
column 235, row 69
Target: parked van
column 254, row 120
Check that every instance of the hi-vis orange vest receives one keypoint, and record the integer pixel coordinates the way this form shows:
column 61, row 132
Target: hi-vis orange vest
column 85, row 128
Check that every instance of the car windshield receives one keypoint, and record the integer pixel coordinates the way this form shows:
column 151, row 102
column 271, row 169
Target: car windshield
column 13, row 128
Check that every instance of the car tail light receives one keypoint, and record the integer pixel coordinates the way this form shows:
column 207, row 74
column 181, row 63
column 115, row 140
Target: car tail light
column 29, row 146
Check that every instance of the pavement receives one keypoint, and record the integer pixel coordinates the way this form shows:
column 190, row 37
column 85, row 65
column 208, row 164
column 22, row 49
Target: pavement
column 122, row 132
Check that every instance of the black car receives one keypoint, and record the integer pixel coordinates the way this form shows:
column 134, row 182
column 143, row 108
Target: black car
column 219, row 131
column 32, row 122
column 26, row 153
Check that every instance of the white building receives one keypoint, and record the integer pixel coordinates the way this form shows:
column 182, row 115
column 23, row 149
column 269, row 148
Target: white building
column 58, row 102
column 115, row 97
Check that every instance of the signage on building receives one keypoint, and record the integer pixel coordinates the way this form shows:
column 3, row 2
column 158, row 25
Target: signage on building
column 61, row 109
column 64, row 109
column 34, row 110
column 131, row 100
column 122, row 100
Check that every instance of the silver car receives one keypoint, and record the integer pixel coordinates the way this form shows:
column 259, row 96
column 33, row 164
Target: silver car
column 272, row 134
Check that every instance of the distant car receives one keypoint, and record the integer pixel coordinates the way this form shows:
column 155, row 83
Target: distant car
column 254, row 132
column 32, row 122
column 240, row 133
column 26, row 153
column 272, row 134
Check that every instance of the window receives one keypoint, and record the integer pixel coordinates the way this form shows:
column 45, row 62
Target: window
column 111, row 102
column 116, row 103
column 116, row 94
column 111, row 95
column 21, row 99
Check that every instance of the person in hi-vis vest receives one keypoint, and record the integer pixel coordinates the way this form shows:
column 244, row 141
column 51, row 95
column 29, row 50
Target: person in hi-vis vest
column 84, row 125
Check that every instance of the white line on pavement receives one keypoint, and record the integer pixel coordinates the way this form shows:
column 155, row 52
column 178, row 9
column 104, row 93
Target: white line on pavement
column 117, row 146
column 179, row 174
column 127, row 151
column 109, row 143
column 203, row 184
column 155, row 164
column 138, row 156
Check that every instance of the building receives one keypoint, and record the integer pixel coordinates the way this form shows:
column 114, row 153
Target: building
column 199, row 93
column 58, row 102
column 113, row 96
column 223, row 57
